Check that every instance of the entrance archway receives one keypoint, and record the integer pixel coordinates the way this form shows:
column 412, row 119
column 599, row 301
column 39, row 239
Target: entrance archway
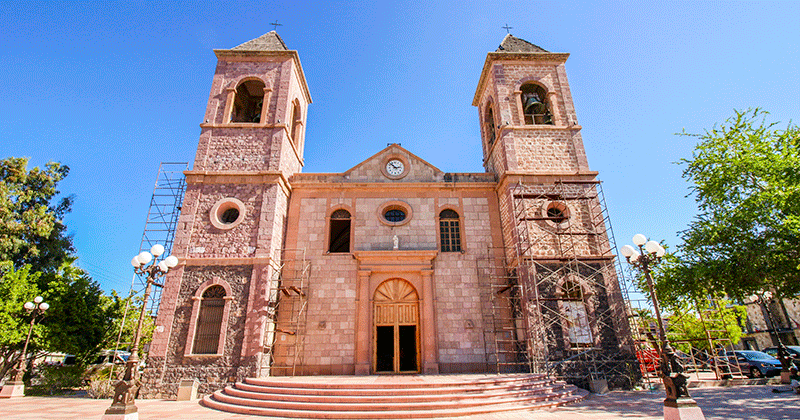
column 396, row 328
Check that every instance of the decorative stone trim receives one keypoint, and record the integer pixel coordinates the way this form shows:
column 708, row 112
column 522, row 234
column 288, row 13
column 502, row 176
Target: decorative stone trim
column 196, row 301
column 394, row 205
column 223, row 206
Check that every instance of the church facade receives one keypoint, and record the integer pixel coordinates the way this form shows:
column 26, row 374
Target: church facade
column 393, row 266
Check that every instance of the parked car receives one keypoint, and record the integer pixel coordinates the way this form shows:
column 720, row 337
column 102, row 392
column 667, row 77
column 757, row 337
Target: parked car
column 792, row 351
column 756, row 364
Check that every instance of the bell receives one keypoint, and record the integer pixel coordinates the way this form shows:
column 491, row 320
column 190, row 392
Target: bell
column 533, row 106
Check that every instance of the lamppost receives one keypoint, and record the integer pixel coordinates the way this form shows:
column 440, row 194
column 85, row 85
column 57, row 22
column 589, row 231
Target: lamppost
column 763, row 298
column 123, row 406
column 678, row 404
column 16, row 386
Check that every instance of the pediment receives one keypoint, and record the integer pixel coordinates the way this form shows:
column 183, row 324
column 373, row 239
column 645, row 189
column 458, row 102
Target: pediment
column 374, row 168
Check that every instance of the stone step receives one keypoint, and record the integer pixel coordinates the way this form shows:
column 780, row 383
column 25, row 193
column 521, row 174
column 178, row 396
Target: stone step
column 333, row 403
column 396, row 389
column 208, row 401
column 391, row 397
column 392, row 382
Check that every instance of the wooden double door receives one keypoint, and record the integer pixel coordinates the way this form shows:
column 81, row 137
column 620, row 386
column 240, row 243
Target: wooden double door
column 396, row 344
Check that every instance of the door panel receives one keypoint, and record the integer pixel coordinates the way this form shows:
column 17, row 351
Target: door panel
column 396, row 323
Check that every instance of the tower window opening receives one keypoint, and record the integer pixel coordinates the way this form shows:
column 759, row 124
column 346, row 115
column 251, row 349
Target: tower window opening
column 248, row 103
column 534, row 105
column 557, row 212
column 229, row 216
column 296, row 120
column 449, row 231
column 489, row 124
column 339, row 239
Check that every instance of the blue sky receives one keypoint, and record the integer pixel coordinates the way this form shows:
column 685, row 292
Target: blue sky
column 114, row 88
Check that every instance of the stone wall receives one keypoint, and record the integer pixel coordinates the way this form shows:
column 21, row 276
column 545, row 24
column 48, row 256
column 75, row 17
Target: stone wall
column 163, row 374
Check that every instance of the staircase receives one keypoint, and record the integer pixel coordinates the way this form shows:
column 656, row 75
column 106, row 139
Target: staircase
column 391, row 397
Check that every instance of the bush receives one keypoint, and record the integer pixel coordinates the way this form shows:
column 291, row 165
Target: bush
column 53, row 380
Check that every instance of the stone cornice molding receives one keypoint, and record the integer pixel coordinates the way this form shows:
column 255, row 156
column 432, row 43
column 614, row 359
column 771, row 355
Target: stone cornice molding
column 247, row 55
column 396, row 260
column 239, row 177
column 538, row 57
column 298, row 184
column 225, row 261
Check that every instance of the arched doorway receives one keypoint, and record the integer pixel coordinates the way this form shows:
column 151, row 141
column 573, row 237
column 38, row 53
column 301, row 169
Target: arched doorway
column 396, row 328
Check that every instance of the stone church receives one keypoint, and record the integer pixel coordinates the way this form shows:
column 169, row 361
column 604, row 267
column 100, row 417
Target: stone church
column 393, row 266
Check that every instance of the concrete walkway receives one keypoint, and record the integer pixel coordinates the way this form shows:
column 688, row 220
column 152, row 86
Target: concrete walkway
column 733, row 403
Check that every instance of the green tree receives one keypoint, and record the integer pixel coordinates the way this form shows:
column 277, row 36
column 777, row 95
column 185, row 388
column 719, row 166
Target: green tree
column 692, row 325
column 81, row 316
column 746, row 180
column 16, row 288
column 31, row 227
column 36, row 258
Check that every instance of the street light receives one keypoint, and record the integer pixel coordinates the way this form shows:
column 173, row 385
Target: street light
column 16, row 386
column 123, row 404
column 678, row 404
column 763, row 297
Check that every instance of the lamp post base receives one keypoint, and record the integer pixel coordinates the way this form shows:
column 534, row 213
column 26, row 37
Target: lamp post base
column 13, row 389
column 131, row 416
column 682, row 409
column 786, row 377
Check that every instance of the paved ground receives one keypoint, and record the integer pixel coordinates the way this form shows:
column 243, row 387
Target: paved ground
column 728, row 403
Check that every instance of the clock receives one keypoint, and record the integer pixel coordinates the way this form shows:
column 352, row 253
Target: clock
column 395, row 167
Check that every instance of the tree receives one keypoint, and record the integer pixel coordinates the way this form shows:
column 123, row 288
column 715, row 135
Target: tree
column 746, row 176
column 36, row 258
column 31, row 227
column 16, row 288
column 81, row 316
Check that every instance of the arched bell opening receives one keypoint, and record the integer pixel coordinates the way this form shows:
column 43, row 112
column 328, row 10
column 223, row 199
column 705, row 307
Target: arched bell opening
column 535, row 108
column 396, row 343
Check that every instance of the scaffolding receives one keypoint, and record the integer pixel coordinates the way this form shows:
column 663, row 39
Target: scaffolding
column 555, row 302
column 162, row 220
column 287, row 314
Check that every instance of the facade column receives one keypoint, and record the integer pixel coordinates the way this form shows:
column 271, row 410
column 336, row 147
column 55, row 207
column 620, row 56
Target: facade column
column 430, row 352
column 362, row 362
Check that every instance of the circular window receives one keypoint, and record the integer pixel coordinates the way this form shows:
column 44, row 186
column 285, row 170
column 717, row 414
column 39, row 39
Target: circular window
column 557, row 213
column 394, row 213
column 227, row 213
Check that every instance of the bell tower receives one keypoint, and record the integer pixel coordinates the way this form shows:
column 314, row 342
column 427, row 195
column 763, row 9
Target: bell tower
column 528, row 122
column 556, row 242
column 213, row 313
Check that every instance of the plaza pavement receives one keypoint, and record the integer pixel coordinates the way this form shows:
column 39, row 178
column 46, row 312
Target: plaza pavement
column 756, row 402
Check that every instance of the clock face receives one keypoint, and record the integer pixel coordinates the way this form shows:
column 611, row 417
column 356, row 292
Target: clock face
column 395, row 167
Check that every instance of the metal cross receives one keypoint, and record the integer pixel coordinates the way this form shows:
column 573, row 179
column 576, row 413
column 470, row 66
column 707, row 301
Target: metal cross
column 507, row 28
column 275, row 24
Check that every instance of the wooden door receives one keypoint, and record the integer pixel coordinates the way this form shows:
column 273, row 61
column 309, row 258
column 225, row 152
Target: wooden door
column 396, row 328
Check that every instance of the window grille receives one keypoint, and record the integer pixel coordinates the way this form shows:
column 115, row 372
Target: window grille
column 449, row 231
column 209, row 321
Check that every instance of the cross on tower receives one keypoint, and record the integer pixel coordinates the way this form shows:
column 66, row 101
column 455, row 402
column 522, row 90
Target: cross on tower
column 275, row 25
column 507, row 28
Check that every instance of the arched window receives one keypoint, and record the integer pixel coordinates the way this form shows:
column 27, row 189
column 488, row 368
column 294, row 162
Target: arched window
column 577, row 319
column 488, row 121
column 534, row 105
column 339, row 239
column 449, row 231
column 296, row 120
column 248, row 102
column 209, row 321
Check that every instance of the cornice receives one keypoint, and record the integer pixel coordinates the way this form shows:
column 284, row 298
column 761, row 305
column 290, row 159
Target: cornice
column 238, row 177
column 538, row 57
column 247, row 55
